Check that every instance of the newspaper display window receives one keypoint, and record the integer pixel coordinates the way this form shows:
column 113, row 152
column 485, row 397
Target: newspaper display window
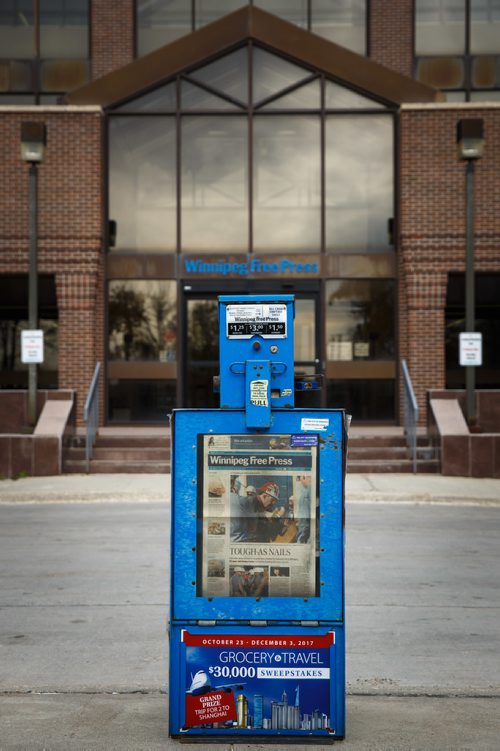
column 258, row 516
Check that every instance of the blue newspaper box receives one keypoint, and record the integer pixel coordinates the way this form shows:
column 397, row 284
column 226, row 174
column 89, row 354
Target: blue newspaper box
column 257, row 644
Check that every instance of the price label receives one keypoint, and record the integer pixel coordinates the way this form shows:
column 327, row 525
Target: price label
column 265, row 320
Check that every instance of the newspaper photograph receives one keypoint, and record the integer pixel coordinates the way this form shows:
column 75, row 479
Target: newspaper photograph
column 258, row 503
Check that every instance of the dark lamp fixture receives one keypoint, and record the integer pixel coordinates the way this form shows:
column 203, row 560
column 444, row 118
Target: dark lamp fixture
column 470, row 139
column 33, row 139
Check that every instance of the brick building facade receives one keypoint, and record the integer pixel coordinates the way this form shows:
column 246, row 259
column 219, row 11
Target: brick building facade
column 429, row 190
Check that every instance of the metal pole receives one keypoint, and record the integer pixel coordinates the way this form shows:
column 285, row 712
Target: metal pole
column 33, row 287
column 470, row 304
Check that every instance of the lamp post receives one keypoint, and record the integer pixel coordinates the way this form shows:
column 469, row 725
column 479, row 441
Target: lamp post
column 33, row 138
column 470, row 143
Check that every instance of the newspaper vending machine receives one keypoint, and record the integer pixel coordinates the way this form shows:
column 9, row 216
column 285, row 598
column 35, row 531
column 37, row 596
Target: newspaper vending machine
column 257, row 545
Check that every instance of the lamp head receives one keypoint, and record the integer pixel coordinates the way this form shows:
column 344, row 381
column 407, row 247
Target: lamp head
column 470, row 139
column 33, row 140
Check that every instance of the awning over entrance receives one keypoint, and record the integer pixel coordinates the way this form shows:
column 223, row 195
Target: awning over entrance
column 250, row 23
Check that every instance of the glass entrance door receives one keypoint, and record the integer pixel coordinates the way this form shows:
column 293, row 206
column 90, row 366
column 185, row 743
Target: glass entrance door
column 201, row 338
column 201, row 361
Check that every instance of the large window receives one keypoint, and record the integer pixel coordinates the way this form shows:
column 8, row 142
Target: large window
column 142, row 320
column 142, row 349
column 251, row 152
column 360, row 319
column 287, row 184
column 360, row 347
column 44, row 49
column 487, row 322
column 161, row 21
column 142, row 163
column 214, row 180
column 457, row 47
column 359, row 182
column 14, row 320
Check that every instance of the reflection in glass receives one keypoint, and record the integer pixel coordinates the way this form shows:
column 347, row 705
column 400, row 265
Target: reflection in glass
column 441, row 72
column 439, row 27
column 306, row 97
column 338, row 97
column 162, row 99
column 202, row 330
column 342, row 22
column 207, row 11
column 14, row 76
column 484, row 26
column 359, row 183
column 304, row 331
column 485, row 96
column 272, row 74
column 17, row 30
column 360, row 319
column 195, row 98
column 294, row 11
column 214, row 184
column 63, row 75
column 228, row 74
column 202, row 349
column 484, row 72
column 369, row 400
column 142, row 320
column 160, row 22
column 64, row 31
column 142, row 182
column 287, row 184
column 140, row 401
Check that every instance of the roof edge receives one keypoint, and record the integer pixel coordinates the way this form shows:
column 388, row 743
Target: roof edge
column 229, row 32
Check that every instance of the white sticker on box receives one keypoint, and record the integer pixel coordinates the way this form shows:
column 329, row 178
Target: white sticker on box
column 258, row 393
column 316, row 423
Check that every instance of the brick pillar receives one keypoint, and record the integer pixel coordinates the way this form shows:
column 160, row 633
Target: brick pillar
column 112, row 35
column 79, row 333
column 391, row 35
column 425, row 295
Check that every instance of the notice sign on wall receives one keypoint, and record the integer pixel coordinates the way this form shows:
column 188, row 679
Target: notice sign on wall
column 471, row 348
column 32, row 346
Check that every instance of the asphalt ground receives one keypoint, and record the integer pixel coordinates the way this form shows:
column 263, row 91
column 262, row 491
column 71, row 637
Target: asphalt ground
column 84, row 599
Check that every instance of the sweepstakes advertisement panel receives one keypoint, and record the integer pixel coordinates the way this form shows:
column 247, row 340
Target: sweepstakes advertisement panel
column 259, row 682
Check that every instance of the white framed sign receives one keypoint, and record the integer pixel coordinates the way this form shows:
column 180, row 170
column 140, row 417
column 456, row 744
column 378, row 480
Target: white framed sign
column 471, row 348
column 32, row 346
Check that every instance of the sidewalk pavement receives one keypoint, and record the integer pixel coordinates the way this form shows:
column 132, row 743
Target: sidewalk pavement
column 360, row 488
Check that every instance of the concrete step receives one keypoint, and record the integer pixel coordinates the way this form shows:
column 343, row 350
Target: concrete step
column 128, row 441
column 126, row 453
column 383, row 440
column 103, row 466
column 388, row 453
column 377, row 452
column 369, row 466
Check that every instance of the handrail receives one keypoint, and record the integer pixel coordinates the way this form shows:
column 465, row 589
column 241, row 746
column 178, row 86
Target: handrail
column 91, row 415
column 410, row 414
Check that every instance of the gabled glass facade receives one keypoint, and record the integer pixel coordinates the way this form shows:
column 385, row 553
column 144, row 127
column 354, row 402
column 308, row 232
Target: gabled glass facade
column 251, row 172
column 278, row 156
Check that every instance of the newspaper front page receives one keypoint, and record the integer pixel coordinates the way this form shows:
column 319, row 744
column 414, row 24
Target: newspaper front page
column 258, row 503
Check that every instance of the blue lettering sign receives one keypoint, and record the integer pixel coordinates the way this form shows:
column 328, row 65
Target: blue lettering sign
column 256, row 266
